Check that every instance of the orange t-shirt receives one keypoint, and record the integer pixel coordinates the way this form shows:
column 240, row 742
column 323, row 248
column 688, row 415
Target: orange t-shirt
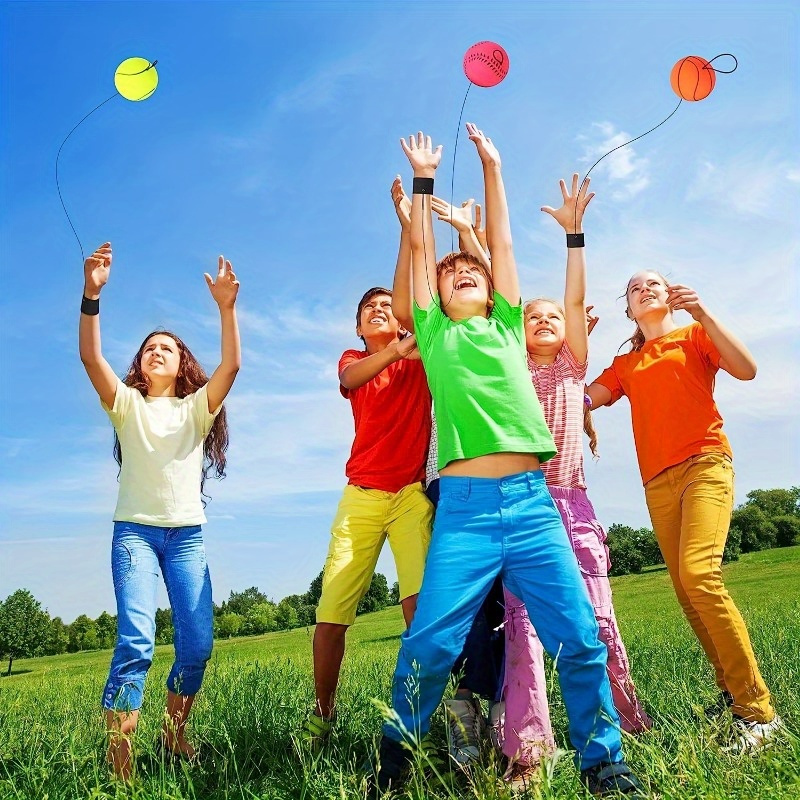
column 392, row 414
column 670, row 384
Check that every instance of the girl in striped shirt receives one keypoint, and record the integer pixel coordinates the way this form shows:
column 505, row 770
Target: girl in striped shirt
column 557, row 344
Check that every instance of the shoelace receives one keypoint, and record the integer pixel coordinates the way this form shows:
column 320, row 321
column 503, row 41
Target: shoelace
column 461, row 732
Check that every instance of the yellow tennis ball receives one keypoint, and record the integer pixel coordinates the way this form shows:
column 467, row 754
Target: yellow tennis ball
column 136, row 78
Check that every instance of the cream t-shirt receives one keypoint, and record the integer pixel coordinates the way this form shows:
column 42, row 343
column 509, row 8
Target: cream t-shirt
column 162, row 456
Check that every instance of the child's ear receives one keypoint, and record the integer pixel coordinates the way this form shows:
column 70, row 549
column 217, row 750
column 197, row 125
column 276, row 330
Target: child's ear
column 628, row 313
column 358, row 331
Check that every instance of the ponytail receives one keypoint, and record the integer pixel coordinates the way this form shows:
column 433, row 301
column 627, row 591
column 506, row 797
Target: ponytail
column 589, row 430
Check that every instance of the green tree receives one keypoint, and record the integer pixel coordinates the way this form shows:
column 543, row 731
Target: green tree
column 229, row 625
column 624, row 549
column 394, row 594
column 106, row 626
column 776, row 502
column 377, row 596
column 82, row 634
column 315, row 590
column 57, row 637
column 241, row 602
column 24, row 627
column 286, row 616
column 260, row 619
column 755, row 529
column 787, row 528
column 165, row 632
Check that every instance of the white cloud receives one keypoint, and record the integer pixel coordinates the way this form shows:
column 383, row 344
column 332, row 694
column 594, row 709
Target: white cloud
column 627, row 173
column 751, row 183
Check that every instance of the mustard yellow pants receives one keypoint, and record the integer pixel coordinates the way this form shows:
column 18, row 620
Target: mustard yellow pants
column 690, row 507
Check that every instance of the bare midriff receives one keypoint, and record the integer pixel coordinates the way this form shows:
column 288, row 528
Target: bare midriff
column 493, row 465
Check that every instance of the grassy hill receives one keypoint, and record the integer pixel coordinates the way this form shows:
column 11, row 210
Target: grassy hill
column 258, row 690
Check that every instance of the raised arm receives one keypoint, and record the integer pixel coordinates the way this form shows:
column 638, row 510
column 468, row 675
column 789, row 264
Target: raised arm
column 401, row 288
column 735, row 358
column 357, row 373
column 570, row 218
column 498, row 226
column 96, row 270
column 224, row 291
column 424, row 160
column 461, row 220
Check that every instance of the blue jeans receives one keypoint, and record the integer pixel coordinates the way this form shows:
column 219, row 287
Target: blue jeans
column 507, row 526
column 138, row 552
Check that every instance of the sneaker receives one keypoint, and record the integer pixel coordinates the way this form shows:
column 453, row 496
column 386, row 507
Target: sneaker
column 521, row 777
column 316, row 730
column 465, row 729
column 723, row 702
column 387, row 771
column 749, row 738
column 605, row 780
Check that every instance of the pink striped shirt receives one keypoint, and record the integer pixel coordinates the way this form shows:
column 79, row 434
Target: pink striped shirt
column 560, row 389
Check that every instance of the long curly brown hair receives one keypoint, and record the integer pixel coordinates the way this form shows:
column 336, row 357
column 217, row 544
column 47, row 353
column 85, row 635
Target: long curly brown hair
column 191, row 377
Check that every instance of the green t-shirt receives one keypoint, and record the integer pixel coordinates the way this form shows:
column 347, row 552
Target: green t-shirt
column 478, row 375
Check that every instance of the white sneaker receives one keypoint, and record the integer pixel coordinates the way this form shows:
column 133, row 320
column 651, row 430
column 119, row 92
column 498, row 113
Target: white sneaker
column 465, row 729
column 749, row 738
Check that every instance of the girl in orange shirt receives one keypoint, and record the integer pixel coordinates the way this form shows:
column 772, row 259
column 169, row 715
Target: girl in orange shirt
column 685, row 462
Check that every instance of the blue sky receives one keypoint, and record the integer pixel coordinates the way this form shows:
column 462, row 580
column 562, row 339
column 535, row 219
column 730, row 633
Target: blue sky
column 273, row 138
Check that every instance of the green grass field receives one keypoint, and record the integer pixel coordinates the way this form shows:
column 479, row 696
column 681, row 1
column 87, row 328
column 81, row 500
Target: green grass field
column 258, row 689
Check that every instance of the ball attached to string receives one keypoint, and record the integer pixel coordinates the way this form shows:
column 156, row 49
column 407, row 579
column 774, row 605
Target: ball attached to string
column 486, row 64
column 136, row 78
column 692, row 78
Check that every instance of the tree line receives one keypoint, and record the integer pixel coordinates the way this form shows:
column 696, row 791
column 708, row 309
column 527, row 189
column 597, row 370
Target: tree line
column 768, row 518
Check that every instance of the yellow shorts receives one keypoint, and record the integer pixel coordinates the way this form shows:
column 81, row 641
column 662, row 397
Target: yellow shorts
column 364, row 519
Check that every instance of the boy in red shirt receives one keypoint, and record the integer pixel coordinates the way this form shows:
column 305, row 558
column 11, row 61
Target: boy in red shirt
column 388, row 391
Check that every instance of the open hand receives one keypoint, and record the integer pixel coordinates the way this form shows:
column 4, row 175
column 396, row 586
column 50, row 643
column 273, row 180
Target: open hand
column 96, row 270
column 488, row 153
column 459, row 218
column 225, row 288
column 570, row 215
column 421, row 155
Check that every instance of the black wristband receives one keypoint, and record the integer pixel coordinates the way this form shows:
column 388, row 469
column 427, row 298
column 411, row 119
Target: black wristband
column 422, row 186
column 575, row 240
column 90, row 307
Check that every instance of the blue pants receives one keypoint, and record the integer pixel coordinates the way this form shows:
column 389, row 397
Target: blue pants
column 507, row 526
column 138, row 552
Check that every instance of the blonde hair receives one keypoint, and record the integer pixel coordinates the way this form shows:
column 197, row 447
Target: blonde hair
column 588, row 422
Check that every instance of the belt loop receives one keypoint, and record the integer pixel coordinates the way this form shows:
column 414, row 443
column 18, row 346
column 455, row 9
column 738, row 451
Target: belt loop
column 466, row 486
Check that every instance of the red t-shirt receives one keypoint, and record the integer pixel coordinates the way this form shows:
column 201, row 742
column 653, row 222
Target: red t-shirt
column 392, row 415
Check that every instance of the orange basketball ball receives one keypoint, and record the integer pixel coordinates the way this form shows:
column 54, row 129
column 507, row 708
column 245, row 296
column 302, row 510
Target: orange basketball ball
column 693, row 78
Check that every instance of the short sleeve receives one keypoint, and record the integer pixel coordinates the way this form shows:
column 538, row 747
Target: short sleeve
column 702, row 341
column 509, row 316
column 427, row 321
column 204, row 417
column 347, row 358
column 123, row 401
column 610, row 379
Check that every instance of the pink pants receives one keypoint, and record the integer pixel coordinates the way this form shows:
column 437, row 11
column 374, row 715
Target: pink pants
column 525, row 733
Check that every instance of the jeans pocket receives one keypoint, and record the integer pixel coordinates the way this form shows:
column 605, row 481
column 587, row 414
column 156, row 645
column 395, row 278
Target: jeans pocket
column 123, row 563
